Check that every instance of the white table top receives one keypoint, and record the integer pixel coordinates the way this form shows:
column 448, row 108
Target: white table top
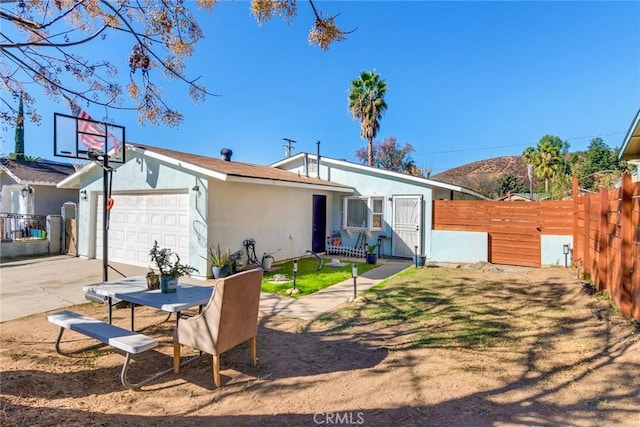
column 134, row 290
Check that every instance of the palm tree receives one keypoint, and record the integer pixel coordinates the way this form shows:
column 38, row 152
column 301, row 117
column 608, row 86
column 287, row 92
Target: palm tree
column 366, row 102
column 547, row 158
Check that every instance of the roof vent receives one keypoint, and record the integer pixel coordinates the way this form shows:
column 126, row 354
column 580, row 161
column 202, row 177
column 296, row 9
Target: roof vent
column 226, row 154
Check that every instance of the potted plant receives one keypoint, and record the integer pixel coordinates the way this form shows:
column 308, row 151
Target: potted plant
column 219, row 261
column 372, row 255
column 170, row 270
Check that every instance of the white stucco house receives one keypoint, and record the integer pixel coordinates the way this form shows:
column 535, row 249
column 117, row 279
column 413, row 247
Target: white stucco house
column 189, row 202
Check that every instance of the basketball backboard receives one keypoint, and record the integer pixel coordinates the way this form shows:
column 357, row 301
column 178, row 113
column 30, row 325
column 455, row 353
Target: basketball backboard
column 76, row 137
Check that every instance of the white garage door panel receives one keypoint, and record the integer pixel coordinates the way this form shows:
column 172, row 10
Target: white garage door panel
column 137, row 220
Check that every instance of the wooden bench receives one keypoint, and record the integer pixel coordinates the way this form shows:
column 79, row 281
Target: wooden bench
column 130, row 342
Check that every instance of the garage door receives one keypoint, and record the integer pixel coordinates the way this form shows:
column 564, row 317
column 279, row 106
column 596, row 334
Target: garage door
column 137, row 220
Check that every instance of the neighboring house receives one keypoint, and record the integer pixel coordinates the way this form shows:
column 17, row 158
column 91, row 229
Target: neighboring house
column 524, row 197
column 31, row 187
column 391, row 206
column 190, row 202
column 630, row 150
column 28, row 193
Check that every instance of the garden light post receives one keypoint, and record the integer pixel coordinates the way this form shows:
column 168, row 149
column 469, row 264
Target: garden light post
column 415, row 258
column 295, row 272
column 354, row 274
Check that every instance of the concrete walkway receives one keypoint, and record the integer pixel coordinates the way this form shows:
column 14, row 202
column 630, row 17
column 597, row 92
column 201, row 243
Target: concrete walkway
column 38, row 285
column 312, row 306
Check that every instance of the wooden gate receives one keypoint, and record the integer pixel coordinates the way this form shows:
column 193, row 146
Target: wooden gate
column 514, row 229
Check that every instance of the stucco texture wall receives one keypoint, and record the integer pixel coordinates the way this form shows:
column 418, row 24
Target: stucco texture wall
column 278, row 218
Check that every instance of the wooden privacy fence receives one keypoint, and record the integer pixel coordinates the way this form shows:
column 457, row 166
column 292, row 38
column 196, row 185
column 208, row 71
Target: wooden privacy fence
column 606, row 242
column 513, row 228
column 605, row 229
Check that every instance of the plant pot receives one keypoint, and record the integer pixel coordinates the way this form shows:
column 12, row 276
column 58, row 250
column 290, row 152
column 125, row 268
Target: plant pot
column 153, row 281
column 419, row 260
column 168, row 284
column 372, row 258
column 219, row 272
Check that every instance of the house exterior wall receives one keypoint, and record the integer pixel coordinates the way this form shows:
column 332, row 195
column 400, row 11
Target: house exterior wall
column 142, row 175
column 48, row 200
column 278, row 218
column 371, row 183
column 44, row 199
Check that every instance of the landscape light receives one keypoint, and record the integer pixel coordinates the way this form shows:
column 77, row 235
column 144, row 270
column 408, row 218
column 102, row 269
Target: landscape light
column 354, row 274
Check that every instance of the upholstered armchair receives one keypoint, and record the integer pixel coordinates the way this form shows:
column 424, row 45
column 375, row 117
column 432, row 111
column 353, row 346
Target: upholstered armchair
column 230, row 318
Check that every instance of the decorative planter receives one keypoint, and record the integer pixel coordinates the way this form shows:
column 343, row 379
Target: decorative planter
column 168, row 284
column 219, row 272
column 372, row 258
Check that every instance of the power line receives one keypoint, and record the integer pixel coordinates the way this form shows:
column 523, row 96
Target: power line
column 510, row 145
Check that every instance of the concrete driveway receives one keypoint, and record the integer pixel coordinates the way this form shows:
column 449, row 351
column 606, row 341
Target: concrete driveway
column 38, row 285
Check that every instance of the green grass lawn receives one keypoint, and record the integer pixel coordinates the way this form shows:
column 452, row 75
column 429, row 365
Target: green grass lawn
column 308, row 278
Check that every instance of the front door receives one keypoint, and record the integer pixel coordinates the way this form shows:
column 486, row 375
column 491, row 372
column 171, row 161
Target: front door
column 407, row 226
column 319, row 223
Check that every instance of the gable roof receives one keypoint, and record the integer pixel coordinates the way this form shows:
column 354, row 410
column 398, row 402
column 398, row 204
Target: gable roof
column 630, row 149
column 381, row 172
column 42, row 172
column 222, row 170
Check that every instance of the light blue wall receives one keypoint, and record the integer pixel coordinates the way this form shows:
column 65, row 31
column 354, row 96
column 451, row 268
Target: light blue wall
column 459, row 246
column 368, row 183
column 140, row 174
column 551, row 247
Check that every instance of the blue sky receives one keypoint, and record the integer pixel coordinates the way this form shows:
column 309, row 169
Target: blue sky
column 467, row 81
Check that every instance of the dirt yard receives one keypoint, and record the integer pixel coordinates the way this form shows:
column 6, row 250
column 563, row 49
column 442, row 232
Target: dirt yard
column 475, row 345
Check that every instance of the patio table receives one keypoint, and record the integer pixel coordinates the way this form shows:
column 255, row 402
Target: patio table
column 134, row 290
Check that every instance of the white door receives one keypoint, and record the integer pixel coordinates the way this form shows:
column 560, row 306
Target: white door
column 407, row 226
column 137, row 220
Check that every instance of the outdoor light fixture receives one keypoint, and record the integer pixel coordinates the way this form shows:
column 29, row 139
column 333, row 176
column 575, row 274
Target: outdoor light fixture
column 196, row 188
column 83, row 195
column 295, row 272
column 565, row 251
column 26, row 190
column 354, row 274
column 415, row 258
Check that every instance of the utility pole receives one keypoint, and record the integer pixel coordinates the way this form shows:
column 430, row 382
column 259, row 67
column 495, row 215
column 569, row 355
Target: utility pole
column 288, row 146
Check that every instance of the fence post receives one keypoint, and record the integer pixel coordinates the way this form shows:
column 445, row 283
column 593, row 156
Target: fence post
column 603, row 247
column 576, row 253
column 587, row 232
column 626, row 229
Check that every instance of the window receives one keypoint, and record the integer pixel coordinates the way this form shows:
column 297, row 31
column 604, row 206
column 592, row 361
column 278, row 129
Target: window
column 363, row 213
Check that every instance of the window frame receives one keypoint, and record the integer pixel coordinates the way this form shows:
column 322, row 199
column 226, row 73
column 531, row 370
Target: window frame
column 370, row 204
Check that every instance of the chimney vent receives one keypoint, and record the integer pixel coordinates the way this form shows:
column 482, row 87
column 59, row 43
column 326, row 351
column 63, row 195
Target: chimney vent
column 226, row 154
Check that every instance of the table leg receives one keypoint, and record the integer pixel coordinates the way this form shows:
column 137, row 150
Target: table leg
column 133, row 306
column 109, row 310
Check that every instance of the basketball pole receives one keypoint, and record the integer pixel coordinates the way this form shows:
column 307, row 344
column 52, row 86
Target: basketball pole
column 105, row 217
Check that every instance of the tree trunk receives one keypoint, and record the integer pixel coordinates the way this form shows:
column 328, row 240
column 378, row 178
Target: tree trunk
column 370, row 151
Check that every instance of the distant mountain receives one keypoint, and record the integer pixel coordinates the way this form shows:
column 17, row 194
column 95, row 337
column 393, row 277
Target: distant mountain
column 482, row 176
